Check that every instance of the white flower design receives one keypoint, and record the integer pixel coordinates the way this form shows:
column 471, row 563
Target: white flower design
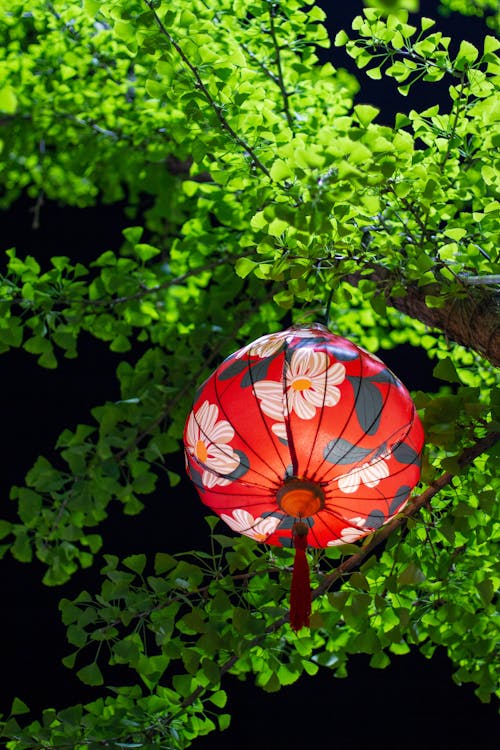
column 310, row 383
column 368, row 473
column 263, row 347
column 370, row 354
column 244, row 523
column 279, row 429
column 207, row 440
column 350, row 533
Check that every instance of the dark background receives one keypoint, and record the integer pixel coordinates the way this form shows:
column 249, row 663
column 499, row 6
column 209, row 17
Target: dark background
column 411, row 703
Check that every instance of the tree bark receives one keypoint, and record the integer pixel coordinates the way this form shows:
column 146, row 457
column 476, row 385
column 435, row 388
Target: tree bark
column 472, row 320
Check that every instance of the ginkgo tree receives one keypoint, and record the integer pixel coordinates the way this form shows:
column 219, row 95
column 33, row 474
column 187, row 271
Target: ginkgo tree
column 257, row 194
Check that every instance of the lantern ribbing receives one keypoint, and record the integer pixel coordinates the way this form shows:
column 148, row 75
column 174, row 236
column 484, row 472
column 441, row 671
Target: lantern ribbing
column 303, row 428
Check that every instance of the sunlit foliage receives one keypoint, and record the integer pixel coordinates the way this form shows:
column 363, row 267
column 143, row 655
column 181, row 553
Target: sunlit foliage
column 270, row 196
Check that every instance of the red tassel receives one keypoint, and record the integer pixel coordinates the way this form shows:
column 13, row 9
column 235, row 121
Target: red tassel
column 300, row 593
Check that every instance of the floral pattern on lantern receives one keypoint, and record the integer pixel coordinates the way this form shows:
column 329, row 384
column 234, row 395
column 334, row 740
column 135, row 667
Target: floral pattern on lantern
column 369, row 474
column 207, row 440
column 244, row 523
column 309, row 406
column 309, row 383
column 350, row 534
column 264, row 347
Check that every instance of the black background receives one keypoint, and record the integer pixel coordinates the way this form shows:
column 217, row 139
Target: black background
column 411, row 703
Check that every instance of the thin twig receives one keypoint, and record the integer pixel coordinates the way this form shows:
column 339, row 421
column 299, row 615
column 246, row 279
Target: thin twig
column 262, row 65
column 208, row 96
column 491, row 279
column 468, row 455
column 188, row 385
column 411, row 55
column 146, row 291
column 457, row 102
column 411, row 509
column 280, row 79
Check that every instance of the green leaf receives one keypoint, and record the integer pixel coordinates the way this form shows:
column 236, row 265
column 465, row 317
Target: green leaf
column 145, row 252
column 244, row 266
column 380, row 660
column 173, row 478
column 374, row 73
column 183, row 684
column 5, row 528
column 258, row 221
column 310, row 667
column 273, row 684
column 366, row 113
column 69, row 611
column 69, row 661
column 76, row 635
column 8, row 100
column 341, row 38
column 445, row 370
column 137, row 563
column 21, row 548
column 411, row 575
column 211, row 671
column 219, row 698
column 491, row 44
column 427, row 23
column 467, row 55
column 187, row 18
column 90, row 675
column 18, row 708
column 455, row 233
column 277, row 227
column 224, row 721
column 133, row 234
column 280, row 171
column 163, row 563
column 486, row 591
column 37, row 345
column 30, row 504
column 124, row 30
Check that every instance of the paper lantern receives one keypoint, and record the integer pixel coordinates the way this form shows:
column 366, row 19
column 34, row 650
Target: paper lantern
column 303, row 438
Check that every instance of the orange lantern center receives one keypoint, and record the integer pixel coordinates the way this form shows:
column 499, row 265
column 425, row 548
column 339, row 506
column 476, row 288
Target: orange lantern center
column 300, row 498
column 201, row 451
column 301, row 384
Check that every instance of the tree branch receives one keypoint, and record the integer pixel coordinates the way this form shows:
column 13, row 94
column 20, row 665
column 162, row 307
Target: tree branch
column 206, row 93
column 472, row 321
column 467, row 457
column 354, row 561
column 280, row 79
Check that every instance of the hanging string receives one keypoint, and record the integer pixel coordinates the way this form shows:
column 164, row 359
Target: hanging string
column 328, row 306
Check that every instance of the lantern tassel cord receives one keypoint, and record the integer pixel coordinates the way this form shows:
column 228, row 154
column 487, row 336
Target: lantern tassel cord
column 300, row 592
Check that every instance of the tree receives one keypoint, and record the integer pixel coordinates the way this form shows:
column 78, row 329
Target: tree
column 257, row 193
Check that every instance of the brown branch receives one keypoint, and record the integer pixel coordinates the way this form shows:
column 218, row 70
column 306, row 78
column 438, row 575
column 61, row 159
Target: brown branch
column 418, row 502
column 472, row 321
column 467, row 457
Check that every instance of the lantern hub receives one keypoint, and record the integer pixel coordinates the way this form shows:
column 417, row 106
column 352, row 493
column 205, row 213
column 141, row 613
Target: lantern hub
column 300, row 497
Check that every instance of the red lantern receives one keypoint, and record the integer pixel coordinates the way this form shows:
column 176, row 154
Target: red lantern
column 303, row 438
